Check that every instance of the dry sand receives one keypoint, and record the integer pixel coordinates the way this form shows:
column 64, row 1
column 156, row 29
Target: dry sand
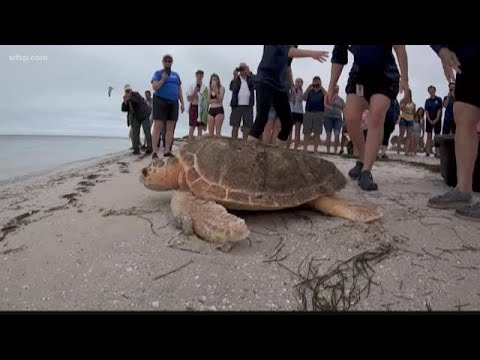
column 95, row 239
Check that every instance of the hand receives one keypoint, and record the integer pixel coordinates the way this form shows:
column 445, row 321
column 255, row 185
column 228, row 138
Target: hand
column 330, row 96
column 321, row 56
column 182, row 108
column 449, row 62
column 235, row 73
column 404, row 84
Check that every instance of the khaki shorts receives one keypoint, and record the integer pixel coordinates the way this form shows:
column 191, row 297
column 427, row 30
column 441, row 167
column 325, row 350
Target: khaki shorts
column 313, row 123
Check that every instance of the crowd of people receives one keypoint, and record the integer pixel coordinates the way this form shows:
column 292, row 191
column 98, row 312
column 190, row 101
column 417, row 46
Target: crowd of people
column 367, row 117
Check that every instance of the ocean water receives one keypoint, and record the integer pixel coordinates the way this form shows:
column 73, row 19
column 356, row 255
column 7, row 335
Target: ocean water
column 29, row 155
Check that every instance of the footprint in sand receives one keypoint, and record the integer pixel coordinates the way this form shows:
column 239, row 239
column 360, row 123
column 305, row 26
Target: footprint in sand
column 123, row 167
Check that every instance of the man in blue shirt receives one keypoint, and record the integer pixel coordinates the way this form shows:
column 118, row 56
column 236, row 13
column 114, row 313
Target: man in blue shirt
column 465, row 61
column 167, row 88
column 433, row 113
column 269, row 84
column 374, row 81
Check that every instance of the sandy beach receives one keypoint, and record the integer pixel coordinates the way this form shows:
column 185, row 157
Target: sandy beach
column 93, row 238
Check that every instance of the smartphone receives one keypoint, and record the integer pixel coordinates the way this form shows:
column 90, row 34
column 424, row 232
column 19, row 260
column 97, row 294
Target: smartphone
column 168, row 70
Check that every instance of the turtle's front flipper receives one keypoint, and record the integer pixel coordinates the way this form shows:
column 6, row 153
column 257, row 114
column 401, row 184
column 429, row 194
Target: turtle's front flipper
column 209, row 220
column 334, row 206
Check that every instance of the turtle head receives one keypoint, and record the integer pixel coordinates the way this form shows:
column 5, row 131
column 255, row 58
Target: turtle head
column 162, row 175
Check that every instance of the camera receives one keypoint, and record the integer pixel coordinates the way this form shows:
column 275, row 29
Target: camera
column 240, row 68
column 198, row 86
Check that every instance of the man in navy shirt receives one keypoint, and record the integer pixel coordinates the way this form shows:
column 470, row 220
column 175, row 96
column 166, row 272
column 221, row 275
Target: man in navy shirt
column 314, row 113
column 433, row 112
column 465, row 61
column 269, row 84
column 373, row 80
column 448, row 121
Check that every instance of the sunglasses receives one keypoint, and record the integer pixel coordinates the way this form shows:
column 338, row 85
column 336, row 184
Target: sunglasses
column 168, row 61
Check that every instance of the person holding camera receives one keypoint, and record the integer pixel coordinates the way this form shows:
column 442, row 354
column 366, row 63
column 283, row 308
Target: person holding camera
column 314, row 110
column 243, row 99
column 194, row 97
column 167, row 88
column 138, row 114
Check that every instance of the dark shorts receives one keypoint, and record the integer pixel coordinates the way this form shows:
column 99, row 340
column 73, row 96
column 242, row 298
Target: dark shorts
column 467, row 87
column 406, row 123
column 164, row 109
column 332, row 123
column 386, row 84
column 437, row 129
column 239, row 113
column 297, row 117
column 193, row 116
column 215, row 111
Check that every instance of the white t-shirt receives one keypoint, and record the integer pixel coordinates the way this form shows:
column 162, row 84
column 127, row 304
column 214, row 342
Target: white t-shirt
column 244, row 93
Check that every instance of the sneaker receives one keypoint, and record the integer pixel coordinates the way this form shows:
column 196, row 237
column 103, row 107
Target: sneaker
column 154, row 156
column 136, row 152
column 365, row 181
column 341, row 151
column 355, row 172
column 148, row 152
column 452, row 199
column 471, row 212
column 169, row 154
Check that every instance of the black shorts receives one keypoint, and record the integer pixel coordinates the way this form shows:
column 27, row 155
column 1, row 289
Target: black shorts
column 467, row 87
column 164, row 109
column 297, row 118
column 448, row 127
column 437, row 129
column 386, row 83
column 216, row 111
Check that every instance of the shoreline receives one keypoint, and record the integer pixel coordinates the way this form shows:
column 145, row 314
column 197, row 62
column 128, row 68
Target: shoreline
column 92, row 238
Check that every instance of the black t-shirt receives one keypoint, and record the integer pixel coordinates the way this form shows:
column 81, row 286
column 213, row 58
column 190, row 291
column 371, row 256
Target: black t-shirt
column 273, row 66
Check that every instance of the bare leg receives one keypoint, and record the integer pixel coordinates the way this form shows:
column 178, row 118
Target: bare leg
column 245, row 132
column 408, row 144
column 191, row 130
column 379, row 105
column 329, row 141
column 400, row 139
column 334, row 206
column 211, row 125
column 277, row 125
column 169, row 136
column 429, row 146
column 354, row 107
column 466, row 143
column 199, row 129
column 298, row 127
column 207, row 219
column 218, row 124
column 267, row 133
column 316, row 142
column 157, row 126
column 336, row 141
column 235, row 132
column 306, row 140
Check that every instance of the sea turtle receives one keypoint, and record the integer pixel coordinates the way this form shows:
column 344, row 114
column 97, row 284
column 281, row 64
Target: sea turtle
column 211, row 175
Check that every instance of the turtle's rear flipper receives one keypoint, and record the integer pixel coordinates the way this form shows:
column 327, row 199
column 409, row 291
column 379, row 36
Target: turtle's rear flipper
column 334, row 206
column 207, row 219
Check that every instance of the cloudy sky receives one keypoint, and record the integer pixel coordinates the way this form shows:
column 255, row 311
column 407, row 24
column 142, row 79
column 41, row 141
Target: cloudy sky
column 62, row 90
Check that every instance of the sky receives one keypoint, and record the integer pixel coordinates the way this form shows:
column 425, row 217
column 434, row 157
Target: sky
column 63, row 90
